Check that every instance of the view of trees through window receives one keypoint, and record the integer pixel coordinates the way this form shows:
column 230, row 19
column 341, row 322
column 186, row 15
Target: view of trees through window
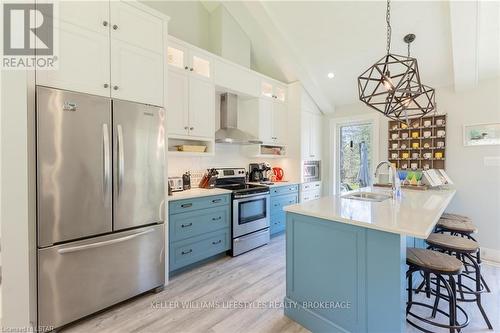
column 351, row 137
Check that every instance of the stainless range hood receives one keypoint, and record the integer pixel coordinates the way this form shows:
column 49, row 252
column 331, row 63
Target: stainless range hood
column 229, row 132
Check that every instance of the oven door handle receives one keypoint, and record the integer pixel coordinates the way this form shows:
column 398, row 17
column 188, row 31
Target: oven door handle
column 255, row 195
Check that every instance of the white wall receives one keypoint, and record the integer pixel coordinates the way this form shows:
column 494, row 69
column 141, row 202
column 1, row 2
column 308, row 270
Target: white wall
column 17, row 233
column 478, row 185
column 189, row 20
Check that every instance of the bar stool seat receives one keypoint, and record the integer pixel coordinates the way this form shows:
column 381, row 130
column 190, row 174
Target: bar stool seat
column 444, row 268
column 433, row 261
column 453, row 243
column 461, row 226
column 457, row 217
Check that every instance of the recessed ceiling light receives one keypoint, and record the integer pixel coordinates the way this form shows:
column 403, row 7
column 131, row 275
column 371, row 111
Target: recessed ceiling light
column 331, row 75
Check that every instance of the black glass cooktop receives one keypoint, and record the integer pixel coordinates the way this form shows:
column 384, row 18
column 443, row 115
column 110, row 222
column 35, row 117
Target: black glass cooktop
column 242, row 188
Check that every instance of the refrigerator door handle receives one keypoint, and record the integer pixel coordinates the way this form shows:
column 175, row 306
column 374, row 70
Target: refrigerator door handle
column 105, row 150
column 121, row 159
column 104, row 243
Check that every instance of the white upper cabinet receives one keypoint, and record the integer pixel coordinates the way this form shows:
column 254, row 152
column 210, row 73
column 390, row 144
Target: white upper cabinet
column 83, row 57
column 265, row 118
column 236, row 78
column 311, row 135
column 274, row 90
column 114, row 49
column 195, row 62
column 177, row 103
column 136, row 55
column 201, row 108
column 191, row 92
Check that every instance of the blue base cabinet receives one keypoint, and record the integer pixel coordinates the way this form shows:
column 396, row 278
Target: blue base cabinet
column 281, row 196
column 199, row 228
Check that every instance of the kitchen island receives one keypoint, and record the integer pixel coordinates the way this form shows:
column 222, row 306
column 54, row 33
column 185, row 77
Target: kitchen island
column 346, row 258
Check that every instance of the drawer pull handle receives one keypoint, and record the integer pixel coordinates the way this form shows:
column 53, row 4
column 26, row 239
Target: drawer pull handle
column 187, row 205
column 218, row 242
column 186, row 225
column 187, row 252
column 216, row 200
column 216, row 218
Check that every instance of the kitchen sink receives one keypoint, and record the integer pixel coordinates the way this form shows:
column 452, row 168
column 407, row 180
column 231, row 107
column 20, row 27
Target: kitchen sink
column 367, row 196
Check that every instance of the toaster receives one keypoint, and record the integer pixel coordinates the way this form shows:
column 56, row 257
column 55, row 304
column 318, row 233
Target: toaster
column 175, row 183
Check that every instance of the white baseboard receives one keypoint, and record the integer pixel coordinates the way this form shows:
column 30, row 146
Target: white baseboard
column 491, row 255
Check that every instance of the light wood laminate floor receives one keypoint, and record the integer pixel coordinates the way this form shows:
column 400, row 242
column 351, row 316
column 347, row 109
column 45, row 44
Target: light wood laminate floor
column 257, row 276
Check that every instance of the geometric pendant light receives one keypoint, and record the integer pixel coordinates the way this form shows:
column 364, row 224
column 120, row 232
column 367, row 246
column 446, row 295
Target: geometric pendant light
column 392, row 85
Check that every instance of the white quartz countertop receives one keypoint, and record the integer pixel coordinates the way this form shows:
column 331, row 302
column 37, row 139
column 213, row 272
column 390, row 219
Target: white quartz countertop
column 196, row 193
column 415, row 214
column 278, row 184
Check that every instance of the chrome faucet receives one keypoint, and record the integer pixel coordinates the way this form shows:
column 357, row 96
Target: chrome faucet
column 396, row 183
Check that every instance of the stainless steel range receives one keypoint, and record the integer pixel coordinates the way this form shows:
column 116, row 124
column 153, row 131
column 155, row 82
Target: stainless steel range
column 251, row 210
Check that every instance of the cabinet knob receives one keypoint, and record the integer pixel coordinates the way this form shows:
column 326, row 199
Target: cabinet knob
column 105, row 23
column 191, row 128
column 115, row 27
column 115, row 87
column 186, row 67
column 191, row 69
column 185, row 127
column 106, row 85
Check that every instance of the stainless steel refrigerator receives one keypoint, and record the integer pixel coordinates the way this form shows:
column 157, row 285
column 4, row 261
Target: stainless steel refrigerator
column 100, row 203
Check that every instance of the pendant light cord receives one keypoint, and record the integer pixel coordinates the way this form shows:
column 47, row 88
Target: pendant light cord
column 389, row 29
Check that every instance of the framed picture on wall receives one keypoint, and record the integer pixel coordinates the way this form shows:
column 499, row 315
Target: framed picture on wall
column 482, row 134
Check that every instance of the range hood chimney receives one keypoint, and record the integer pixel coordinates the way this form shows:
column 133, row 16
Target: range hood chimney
column 228, row 132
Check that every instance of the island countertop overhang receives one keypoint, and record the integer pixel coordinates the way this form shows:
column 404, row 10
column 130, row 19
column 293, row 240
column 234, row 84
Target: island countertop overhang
column 415, row 214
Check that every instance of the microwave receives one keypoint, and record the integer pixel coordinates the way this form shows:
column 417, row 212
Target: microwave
column 311, row 171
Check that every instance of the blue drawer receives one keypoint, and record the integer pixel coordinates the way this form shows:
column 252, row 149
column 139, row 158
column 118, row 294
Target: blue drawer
column 277, row 203
column 280, row 190
column 194, row 249
column 278, row 223
column 198, row 222
column 187, row 205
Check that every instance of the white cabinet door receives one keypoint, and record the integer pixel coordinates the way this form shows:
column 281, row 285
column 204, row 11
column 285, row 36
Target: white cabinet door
column 136, row 73
column 316, row 136
column 83, row 60
column 177, row 57
column 134, row 26
column 201, row 108
column 266, row 120
column 279, row 122
column 177, row 103
column 280, row 93
column 305, row 135
column 200, row 65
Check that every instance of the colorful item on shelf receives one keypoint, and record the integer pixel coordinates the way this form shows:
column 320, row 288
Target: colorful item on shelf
column 441, row 133
column 403, row 146
column 427, row 134
column 427, row 145
column 415, row 135
column 394, row 146
column 416, row 124
column 406, row 155
column 438, row 155
column 426, row 166
column 395, row 136
column 404, row 135
column 394, row 156
column 414, row 166
column 440, row 144
column 415, row 155
column 404, row 126
column 440, row 122
column 427, row 156
column 415, row 145
column 404, row 166
column 427, row 123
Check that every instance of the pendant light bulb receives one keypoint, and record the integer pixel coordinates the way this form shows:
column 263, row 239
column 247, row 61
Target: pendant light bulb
column 387, row 81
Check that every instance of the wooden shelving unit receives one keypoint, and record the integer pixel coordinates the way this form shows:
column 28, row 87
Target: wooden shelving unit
column 418, row 145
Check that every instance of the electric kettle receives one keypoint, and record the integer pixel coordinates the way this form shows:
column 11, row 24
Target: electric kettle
column 278, row 173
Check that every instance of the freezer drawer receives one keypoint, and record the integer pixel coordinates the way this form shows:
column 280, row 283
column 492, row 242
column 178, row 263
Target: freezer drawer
column 80, row 278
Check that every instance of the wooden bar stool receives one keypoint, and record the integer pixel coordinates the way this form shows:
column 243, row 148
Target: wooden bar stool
column 444, row 267
column 464, row 250
column 456, row 225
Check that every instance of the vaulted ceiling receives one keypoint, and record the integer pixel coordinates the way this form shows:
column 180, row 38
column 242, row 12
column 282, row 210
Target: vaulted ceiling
column 457, row 42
